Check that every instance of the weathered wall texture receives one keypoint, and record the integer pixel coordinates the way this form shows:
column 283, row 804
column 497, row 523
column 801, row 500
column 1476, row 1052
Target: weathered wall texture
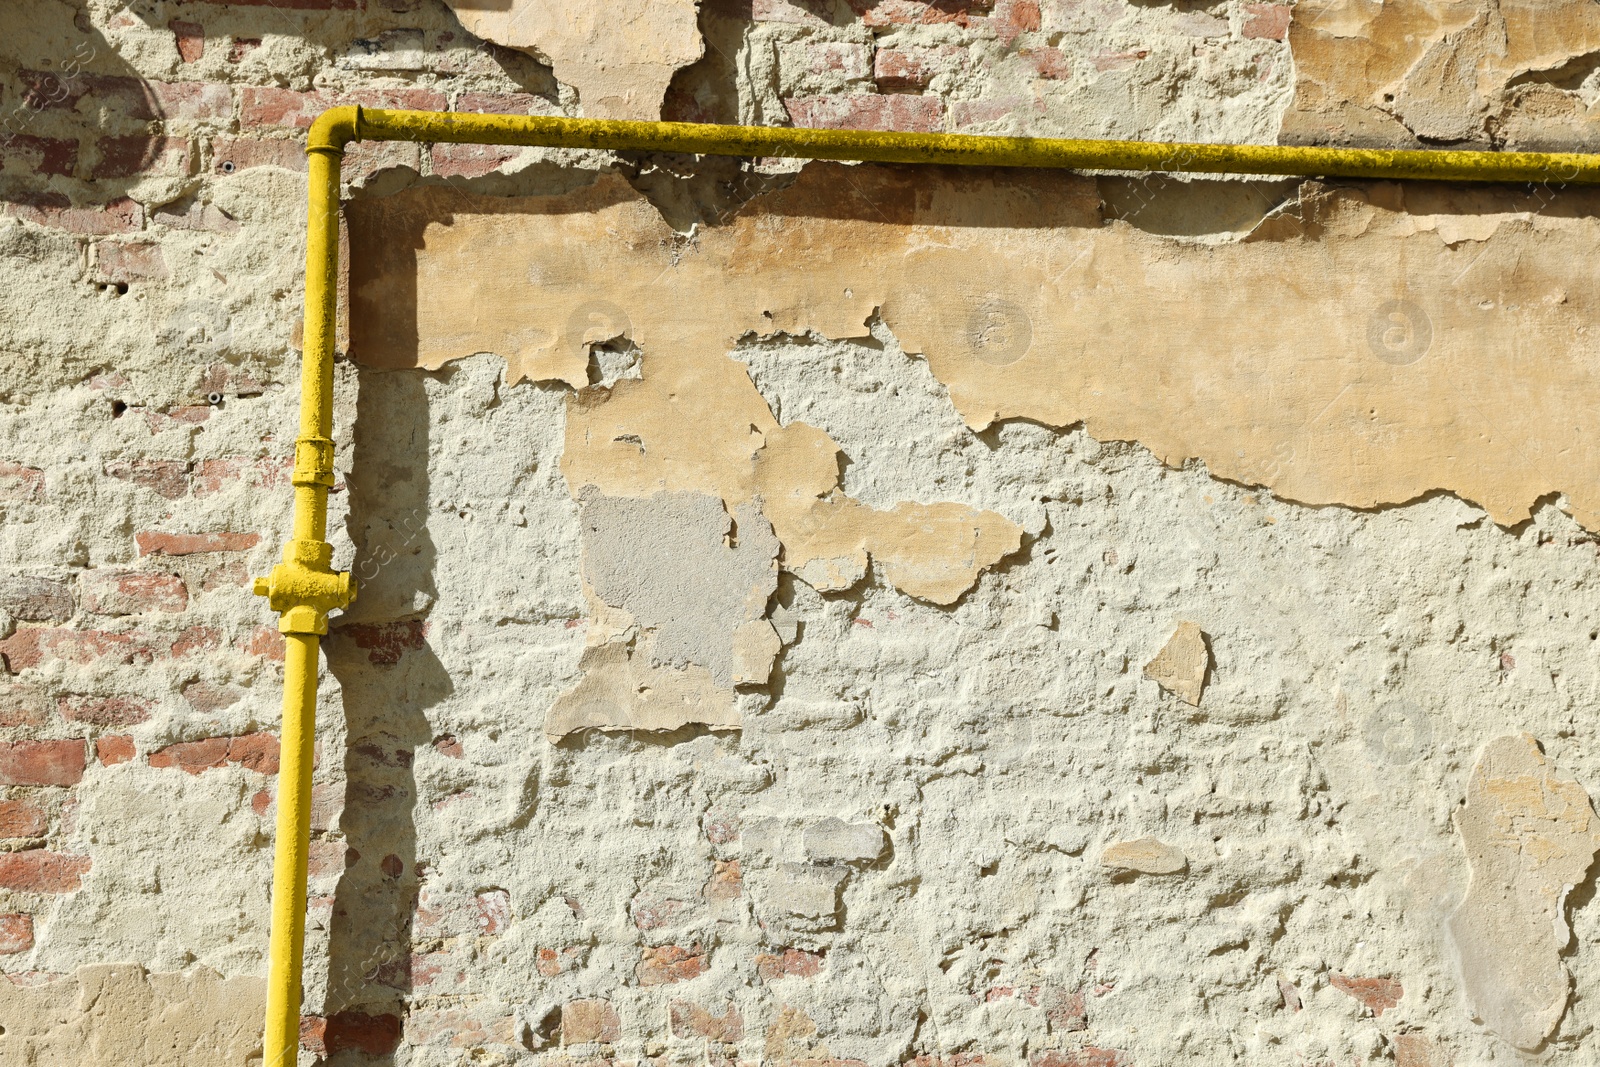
column 809, row 613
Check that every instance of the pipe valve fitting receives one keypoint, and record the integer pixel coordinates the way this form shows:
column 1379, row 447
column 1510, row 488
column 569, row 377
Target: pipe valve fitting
column 305, row 587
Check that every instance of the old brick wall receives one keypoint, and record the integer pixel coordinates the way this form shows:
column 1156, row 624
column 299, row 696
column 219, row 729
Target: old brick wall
column 1034, row 722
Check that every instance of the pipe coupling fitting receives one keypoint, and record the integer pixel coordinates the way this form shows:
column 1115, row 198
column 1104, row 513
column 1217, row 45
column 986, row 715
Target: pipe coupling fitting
column 305, row 587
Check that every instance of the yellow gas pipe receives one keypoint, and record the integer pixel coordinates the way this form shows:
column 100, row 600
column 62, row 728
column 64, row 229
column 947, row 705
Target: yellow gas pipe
column 304, row 587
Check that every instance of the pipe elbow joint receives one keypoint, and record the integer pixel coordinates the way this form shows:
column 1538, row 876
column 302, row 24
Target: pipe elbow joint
column 333, row 129
column 304, row 587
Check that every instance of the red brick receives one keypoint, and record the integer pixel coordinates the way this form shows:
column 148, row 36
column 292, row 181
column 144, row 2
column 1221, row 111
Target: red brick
column 913, row 68
column 1378, row 994
column 125, row 157
column 192, row 216
column 874, row 13
column 16, row 934
column 237, row 381
column 690, row 1020
column 790, row 963
column 965, row 113
column 121, row 215
column 114, row 749
column 37, row 644
column 726, row 881
column 1419, row 1050
column 22, row 818
column 504, row 104
column 190, row 37
column 42, row 762
column 448, row 745
column 551, row 963
column 817, row 14
column 194, row 101
column 666, row 964
column 229, row 155
column 22, row 705
column 266, row 641
column 225, row 574
column 366, row 158
column 1013, row 17
column 255, row 752
column 1268, row 22
column 375, row 1035
column 28, row 155
column 585, row 1021
column 241, row 47
column 164, row 477
column 1051, row 64
column 118, row 592
column 330, row 857
column 103, row 711
column 386, row 642
column 1064, row 1010
column 35, row 599
column 158, row 542
column 21, row 484
column 191, row 414
column 840, row 59
column 214, row 475
column 38, row 871
column 461, row 1027
column 1088, row 1056
column 293, row 5
column 289, row 107
column 203, row 696
column 494, row 910
column 919, row 114
column 1119, row 60
column 722, row 828
column 470, row 160
column 195, row 639
column 192, row 756
column 129, row 97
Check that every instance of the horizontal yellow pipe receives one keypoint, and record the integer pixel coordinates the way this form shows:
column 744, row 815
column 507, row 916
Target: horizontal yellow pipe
column 954, row 148
column 304, row 588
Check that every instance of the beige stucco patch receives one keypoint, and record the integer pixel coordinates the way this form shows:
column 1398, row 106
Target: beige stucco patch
column 1362, row 346
column 1531, row 836
column 619, row 57
column 120, row 1014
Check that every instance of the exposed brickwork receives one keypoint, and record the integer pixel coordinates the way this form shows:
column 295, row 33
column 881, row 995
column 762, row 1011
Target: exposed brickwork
column 42, row 762
column 120, row 592
column 16, row 934
column 919, row 114
column 22, row 818
column 35, row 599
column 1378, row 994
column 104, row 711
column 255, row 752
column 350, row 1031
column 1267, row 21
column 155, row 542
column 385, row 643
column 39, row 871
column 114, row 749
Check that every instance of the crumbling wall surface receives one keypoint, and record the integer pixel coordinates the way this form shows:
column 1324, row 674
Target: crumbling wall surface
column 808, row 613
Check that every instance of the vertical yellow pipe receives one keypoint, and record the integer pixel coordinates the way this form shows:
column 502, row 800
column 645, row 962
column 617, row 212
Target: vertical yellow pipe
column 289, row 862
column 304, row 587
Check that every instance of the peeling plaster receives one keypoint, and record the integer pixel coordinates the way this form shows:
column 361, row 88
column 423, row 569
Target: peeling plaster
column 1360, row 346
column 1531, row 835
column 1407, row 71
column 677, row 610
column 620, row 57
